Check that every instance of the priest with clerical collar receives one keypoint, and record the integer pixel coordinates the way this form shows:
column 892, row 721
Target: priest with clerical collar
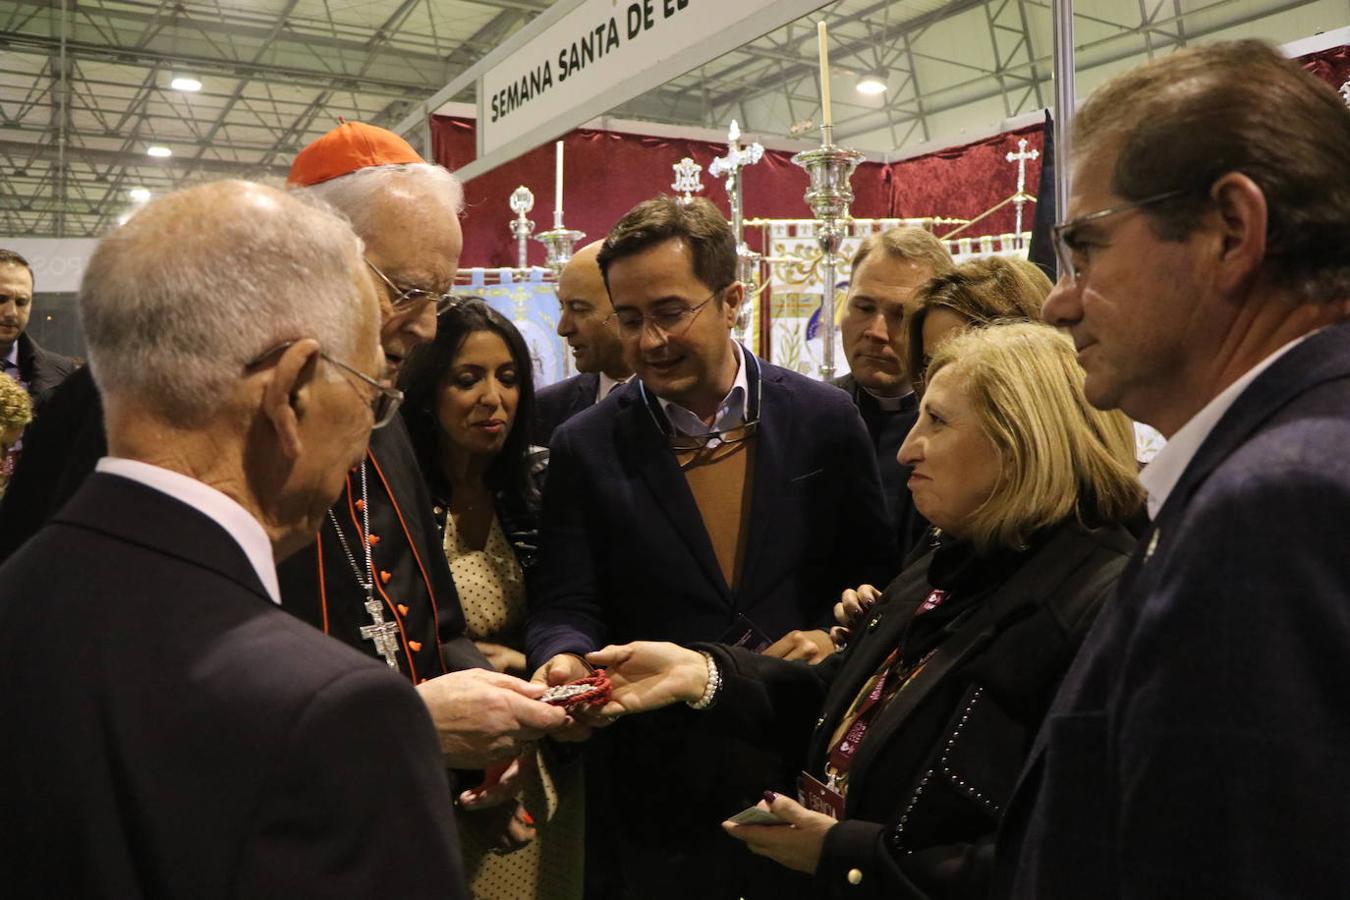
column 888, row 270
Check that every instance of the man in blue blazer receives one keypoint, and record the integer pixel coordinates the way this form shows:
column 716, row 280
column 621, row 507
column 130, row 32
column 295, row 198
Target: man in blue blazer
column 586, row 321
column 1198, row 746
column 714, row 497
column 170, row 731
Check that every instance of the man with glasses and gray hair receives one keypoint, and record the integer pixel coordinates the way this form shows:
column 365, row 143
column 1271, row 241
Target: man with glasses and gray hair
column 713, row 497
column 375, row 577
column 1198, row 744
column 169, row 730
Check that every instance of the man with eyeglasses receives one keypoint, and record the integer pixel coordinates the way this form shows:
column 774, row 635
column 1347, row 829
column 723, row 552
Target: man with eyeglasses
column 715, row 497
column 586, row 320
column 169, row 730
column 375, row 577
column 1198, row 744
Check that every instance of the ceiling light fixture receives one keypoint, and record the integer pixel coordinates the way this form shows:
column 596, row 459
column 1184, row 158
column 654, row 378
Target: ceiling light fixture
column 159, row 152
column 140, row 195
column 871, row 85
column 186, row 83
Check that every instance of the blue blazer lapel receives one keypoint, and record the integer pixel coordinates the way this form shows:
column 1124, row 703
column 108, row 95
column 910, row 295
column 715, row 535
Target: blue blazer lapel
column 769, row 501
column 649, row 454
column 1321, row 357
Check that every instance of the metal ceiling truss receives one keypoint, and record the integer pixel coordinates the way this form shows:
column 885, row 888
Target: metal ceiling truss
column 84, row 84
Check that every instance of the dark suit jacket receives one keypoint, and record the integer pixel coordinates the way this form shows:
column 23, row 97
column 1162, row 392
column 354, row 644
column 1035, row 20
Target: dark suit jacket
column 935, row 769
column 625, row 556
column 1198, row 746
column 620, row 523
column 888, row 431
column 42, row 369
column 561, row 401
column 66, row 442
column 169, row 732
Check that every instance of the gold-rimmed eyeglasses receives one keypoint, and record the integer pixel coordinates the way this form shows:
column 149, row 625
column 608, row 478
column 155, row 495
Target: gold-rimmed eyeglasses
column 1071, row 249
column 383, row 404
column 672, row 321
column 404, row 299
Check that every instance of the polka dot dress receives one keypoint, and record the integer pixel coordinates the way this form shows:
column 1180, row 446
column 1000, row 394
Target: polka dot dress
column 491, row 590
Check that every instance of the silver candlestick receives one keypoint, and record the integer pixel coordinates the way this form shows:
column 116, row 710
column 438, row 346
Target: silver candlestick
column 559, row 241
column 829, row 196
column 522, row 201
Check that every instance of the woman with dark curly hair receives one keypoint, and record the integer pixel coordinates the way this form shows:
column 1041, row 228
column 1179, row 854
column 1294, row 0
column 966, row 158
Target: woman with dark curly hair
column 469, row 395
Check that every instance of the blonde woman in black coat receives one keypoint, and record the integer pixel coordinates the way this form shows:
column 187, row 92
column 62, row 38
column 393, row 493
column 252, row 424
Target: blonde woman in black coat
column 911, row 739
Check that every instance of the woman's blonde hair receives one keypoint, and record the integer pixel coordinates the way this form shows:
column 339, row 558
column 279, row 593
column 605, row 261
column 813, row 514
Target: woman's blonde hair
column 1060, row 455
column 981, row 291
column 16, row 407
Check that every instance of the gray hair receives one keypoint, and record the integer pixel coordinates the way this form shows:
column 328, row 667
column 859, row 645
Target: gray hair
column 351, row 194
column 176, row 302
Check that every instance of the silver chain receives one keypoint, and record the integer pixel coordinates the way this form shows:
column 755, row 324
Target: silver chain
column 368, row 583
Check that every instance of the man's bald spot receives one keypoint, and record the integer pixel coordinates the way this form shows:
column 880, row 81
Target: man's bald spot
column 585, row 262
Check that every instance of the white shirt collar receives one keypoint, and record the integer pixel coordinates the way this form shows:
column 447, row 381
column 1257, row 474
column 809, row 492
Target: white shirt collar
column 1161, row 475
column 889, row 404
column 730, row 412
column 12, row 357
column 606, row 385
column 237, row 521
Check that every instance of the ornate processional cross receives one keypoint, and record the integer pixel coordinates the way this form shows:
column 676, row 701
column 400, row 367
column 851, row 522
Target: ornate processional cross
column 1020, row 198
column 737, row 158
column 686, row 180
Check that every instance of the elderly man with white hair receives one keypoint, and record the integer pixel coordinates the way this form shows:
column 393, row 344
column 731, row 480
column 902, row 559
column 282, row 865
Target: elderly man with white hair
column 169, row 730
column 374, row 574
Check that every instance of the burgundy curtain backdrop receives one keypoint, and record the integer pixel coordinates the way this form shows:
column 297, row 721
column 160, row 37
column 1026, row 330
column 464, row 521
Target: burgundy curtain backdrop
column 608, row 172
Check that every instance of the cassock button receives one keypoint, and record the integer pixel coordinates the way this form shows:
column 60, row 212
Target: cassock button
column 385, row 576
column 402, row 610
column 360, row 504
column 438, row 510
column 855, row 876
column 373, row 539
column 415, row 645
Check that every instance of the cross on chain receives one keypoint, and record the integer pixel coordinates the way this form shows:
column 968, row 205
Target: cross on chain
column 383, row 634
column 1021, row 157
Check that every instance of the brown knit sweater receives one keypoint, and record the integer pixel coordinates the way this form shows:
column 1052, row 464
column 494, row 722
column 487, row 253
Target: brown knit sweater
column 722, row 482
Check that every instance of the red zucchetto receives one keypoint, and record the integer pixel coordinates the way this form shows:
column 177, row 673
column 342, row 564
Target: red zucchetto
column 348, row 147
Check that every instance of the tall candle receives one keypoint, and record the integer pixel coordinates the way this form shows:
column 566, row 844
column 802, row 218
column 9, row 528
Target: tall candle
column 557, row 179
column 822, row 38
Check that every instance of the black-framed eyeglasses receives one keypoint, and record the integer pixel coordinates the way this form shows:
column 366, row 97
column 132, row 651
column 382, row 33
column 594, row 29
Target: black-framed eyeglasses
column 671, row 321
column 1071, row 263
column 383, row 404
column 405, row 299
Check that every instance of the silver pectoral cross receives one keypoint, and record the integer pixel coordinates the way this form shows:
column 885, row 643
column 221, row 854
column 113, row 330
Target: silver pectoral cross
column 383, row 634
